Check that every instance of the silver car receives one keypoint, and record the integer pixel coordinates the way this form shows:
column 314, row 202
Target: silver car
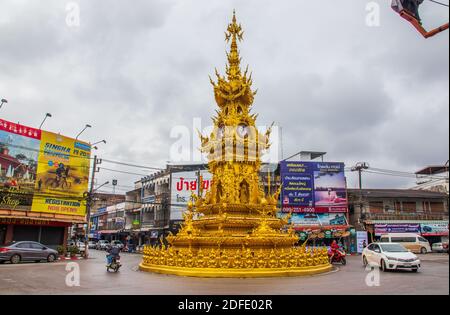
column 441, row 247
column 27, row 251
column 103, row 245
column 80, row 245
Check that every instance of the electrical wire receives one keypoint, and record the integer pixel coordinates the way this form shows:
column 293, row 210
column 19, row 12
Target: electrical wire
column 400, row 175
column 133, row 165
column 118, row 186
column 79, row 157
column 122, row 172
column 396, row 172
column 437, row 2
column 405, row 173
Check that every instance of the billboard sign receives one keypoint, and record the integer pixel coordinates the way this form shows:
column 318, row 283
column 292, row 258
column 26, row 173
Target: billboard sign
column 42, row 171
column 434, row 229
column 19, row 152
column 318, row 219
column 381, row 229
column 183, row 184
column 361, row 239
column 313, row 187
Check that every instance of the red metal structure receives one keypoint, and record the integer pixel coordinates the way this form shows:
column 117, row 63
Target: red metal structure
column 411, row 19
column 409, row 10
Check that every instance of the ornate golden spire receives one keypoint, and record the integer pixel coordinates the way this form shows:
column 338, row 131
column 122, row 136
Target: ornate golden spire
column 234, row 32
column 236, row 86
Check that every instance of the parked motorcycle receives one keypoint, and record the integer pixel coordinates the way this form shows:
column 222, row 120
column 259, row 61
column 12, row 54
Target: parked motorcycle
column 338, row 256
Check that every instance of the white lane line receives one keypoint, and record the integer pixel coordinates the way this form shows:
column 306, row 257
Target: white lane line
column 5, row 266
column 9, row 280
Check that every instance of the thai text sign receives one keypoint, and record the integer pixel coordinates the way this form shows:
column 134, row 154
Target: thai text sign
column 183, row 184
column 313, row 187
column 396, row 228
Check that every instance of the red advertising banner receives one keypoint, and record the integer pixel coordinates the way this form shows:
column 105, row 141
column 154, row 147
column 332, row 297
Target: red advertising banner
column 20, row 129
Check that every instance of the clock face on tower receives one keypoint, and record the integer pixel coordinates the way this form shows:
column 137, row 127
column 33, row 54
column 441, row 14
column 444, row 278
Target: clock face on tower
column 242, row 130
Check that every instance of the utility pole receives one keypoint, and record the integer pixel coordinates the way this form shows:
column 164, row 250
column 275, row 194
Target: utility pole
column 114, row 183
column 360, row 166
column 90, row 198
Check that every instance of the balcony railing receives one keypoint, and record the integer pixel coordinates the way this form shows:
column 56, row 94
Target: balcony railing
column 130, row 206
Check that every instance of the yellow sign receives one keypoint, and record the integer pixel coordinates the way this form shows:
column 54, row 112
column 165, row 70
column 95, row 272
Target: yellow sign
column 62, row 175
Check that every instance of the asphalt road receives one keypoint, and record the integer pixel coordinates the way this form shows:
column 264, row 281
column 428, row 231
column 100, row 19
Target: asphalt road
column 45, row 278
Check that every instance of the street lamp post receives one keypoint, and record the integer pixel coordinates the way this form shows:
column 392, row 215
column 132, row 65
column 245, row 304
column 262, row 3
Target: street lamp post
column 114, row 183
column 89, row 199
column 88, row 211
column 3, row 102
column 94, row 145
column 48, row 115
column 85, row 127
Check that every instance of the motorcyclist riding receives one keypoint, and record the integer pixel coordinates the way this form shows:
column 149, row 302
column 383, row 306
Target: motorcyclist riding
column 334, row 247
column 60, row 172
column 113, row 252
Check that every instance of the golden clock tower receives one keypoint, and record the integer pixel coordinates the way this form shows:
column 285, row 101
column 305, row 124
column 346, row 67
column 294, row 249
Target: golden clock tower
column 233, row 231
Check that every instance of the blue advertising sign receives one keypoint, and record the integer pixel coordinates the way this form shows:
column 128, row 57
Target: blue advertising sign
column 381, row 229
column 313, row 187
column 434, row 228
column 318, row 219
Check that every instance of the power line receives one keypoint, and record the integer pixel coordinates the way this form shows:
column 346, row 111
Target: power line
column 122, row 172
column 119, row 186
column 133, row 165
column 405, row 173
column 79, row 157
column 437, row 2
column 400, row 175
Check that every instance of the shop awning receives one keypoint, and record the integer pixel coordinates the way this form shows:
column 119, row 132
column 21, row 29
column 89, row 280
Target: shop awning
column 108, row 231
column 405, row 221
column 24, row 220
column 321, row 227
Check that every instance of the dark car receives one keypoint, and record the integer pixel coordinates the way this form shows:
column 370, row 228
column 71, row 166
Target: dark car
column 27, row 251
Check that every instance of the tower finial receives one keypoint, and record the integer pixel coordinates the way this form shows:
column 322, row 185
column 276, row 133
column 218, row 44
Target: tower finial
column 234, row 32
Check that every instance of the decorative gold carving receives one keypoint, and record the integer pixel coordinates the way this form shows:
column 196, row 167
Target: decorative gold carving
column 235, row 226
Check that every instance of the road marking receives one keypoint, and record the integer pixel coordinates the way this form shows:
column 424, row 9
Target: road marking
column 9, row 280
column 31, row 264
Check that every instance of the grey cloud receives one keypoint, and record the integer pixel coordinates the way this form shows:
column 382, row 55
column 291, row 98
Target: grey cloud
column 135, row 69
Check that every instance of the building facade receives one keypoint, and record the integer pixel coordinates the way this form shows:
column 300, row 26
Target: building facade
column 434, row 178
column 380, row 211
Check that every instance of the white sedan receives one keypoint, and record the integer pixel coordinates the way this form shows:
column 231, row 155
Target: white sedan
column 390, row 256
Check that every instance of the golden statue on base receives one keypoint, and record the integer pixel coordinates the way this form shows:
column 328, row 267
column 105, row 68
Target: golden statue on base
column 233, row 231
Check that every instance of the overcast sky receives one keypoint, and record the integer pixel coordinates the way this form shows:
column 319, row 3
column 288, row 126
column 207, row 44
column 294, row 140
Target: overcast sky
column 134, row 69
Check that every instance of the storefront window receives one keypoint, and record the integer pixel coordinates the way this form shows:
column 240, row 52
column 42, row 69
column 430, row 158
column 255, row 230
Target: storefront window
column 2, row 234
